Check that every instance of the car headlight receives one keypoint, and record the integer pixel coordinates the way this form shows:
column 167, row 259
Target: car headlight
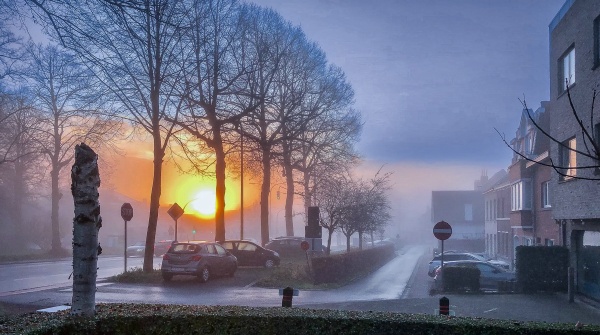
column 276, row 253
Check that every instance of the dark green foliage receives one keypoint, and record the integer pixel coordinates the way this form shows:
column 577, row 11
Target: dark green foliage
column 541, row 268
column 460, row 279
column 132, row 319
column 340, row 267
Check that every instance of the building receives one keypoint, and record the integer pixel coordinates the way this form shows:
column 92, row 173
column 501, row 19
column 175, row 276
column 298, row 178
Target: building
column 464, row 211
column 498, row 234
column 574, row 75
column 529, row 177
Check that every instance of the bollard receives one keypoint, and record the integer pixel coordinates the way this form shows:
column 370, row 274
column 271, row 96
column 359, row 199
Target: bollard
column 444, row 306
column 288, row 293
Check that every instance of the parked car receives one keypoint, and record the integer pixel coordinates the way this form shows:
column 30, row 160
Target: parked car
column 249, row 253
column 197, row 258
column 288, row 246
column 137, row 249
column 461, row 256
column 489, row 278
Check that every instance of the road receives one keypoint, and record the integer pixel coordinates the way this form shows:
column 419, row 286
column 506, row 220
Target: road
column 47, row 284
column 16, row 278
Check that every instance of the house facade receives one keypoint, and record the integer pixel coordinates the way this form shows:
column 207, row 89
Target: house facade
column 575, row 188
column 498, row 234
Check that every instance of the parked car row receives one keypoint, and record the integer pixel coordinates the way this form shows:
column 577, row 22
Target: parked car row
column 461, row 256
column 490, row 275
column 205, row 259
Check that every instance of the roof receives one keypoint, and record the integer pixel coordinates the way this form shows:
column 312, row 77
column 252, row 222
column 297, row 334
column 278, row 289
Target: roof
column 561, row 13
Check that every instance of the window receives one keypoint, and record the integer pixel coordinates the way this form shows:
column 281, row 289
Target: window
column 549, row 242
column 546, row 194
column 568, row 158
column 567, row 70
column 520, row 193
column 468, row 212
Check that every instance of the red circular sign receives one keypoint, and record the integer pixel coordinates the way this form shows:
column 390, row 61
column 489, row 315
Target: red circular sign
column 442, row 230
column 127, row 211
column 304, row 245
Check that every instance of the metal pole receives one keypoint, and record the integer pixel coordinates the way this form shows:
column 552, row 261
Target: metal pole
column 125, row 250
column 442, row 264
column 176, row 230
column 242, row 186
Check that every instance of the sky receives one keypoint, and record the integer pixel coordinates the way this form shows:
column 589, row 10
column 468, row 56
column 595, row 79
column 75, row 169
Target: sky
column 433, row 79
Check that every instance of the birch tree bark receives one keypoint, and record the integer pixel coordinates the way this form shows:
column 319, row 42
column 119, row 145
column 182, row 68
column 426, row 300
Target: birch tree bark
column 85, row 180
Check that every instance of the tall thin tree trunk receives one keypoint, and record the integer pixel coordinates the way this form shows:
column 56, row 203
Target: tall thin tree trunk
column 289, row 202
column 330, row 231
column 55, row 198
column 85, row 180
column 360, row 240
column 220, row 167
column 154, row 203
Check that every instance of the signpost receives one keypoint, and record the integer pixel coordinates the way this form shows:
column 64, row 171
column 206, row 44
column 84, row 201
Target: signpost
column 442, row 231
column 305, row 245
column 127, row 215
column 175, row 212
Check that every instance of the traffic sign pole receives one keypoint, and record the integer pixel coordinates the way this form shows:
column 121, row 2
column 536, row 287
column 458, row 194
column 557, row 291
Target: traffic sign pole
column 125, row 251
column 127, row 215
column 442, row 231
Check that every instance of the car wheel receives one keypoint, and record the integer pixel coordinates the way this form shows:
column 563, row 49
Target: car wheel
column 269, row 263
column 204, row 275
column 167, row 276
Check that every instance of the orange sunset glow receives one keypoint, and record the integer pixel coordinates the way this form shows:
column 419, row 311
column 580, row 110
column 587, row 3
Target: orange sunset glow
column 132, row 176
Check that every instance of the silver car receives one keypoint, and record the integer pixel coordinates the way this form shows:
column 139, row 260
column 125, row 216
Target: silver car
column 461, row 256
column 197, row 258
column 489, row 278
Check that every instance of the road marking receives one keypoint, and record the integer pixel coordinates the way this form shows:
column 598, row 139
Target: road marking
column 491, row 310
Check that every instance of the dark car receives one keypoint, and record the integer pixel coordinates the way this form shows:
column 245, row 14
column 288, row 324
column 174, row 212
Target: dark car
column 290, row 246
column 137, row 249
column 197, row 258
column 450, row 256
column 489, row 278
column 161, row 247
column 249, row 253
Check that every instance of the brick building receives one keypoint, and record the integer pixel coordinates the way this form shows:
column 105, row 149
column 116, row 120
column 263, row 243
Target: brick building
column 575, row 72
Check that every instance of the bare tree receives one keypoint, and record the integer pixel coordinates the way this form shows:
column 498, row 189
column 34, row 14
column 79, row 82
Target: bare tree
column 132, row 48
column 60, row 89
column 591, row 143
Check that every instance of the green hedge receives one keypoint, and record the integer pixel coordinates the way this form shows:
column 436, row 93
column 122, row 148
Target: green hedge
column 133, row 319
column 541, row 268
column 341, row 267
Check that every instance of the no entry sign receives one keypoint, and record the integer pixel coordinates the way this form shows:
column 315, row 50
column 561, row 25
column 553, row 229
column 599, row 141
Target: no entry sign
column 442, row 230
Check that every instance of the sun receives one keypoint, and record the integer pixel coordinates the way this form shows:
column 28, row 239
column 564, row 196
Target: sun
column 204, row 203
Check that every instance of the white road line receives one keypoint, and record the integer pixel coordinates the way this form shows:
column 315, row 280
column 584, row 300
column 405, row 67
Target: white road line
column 490, row 310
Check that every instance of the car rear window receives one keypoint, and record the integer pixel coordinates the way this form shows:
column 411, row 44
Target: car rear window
column 184, row 248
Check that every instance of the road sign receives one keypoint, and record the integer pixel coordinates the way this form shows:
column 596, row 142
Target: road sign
column 304, row 245
column 442, row 230
column 175, row 211
column 127, row 211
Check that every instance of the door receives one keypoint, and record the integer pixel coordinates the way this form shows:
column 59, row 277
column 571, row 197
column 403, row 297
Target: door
column 248, row 254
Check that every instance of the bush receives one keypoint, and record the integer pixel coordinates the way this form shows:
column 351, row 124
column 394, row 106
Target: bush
column 541, row 268
column 132, row 319
column 460, row 278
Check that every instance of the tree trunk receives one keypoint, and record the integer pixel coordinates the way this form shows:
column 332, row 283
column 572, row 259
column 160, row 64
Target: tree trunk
column 220, row 190
column 348, row 243
column 289, row 182
column 154, row 204
column 360, row 241
column 55, row 198
column 85, row 180
column 289, row 202
column 264, row 196
column 330, row 231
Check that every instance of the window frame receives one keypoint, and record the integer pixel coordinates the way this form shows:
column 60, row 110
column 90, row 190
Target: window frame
column 563, row 74
column 568, row 158
column 521, row 195
column 545, row 196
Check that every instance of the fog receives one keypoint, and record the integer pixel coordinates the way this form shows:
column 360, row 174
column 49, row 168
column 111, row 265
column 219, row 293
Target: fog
column 423, row 88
